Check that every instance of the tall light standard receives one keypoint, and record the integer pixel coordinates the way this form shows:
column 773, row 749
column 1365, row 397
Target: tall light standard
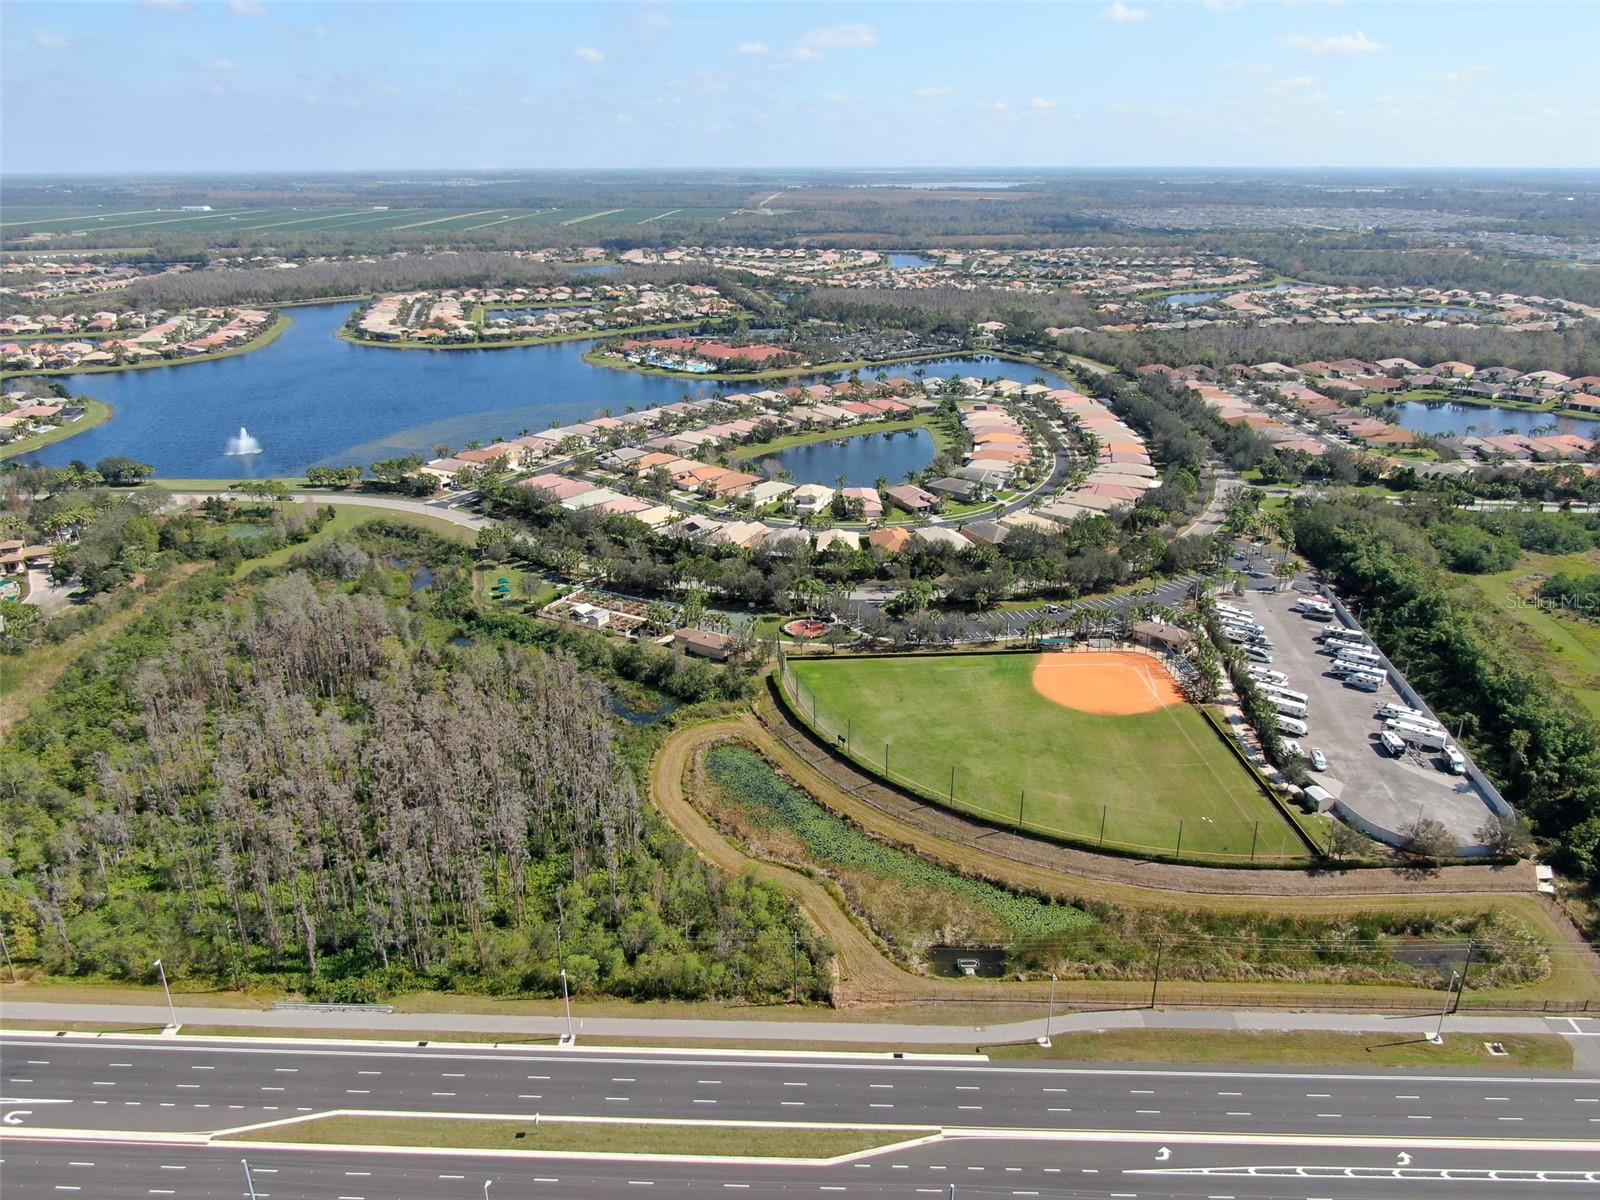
column 171, row 1011
column 566, row 1002
column 486, row 1184
column 1437, row 1036
column 250, row 1184
column 1048, row 1013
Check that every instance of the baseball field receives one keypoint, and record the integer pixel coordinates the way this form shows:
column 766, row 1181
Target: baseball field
column 1095, row 747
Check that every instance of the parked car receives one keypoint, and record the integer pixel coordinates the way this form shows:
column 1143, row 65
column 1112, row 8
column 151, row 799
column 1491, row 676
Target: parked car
column 1319, row 760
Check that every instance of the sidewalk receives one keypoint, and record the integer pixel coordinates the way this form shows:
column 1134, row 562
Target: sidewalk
column 844, row 1033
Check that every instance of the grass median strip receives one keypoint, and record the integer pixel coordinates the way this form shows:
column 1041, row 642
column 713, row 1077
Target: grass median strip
column 452, row 1133
column 1401, row 1048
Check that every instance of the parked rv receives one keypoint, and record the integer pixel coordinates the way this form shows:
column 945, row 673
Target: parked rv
column 1366, row 681
column 1292, row 726
column 1393, row 743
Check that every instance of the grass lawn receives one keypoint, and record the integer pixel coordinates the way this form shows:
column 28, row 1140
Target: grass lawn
column 1069, row 770
column 1540, row 1052
column 95, row 412
column 1567, row 646
column 575, row 1137
column 528, row 588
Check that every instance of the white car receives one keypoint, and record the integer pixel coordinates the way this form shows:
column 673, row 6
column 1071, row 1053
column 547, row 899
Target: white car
column 1319, row 760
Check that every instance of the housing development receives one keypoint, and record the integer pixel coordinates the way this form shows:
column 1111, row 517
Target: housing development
column 547, row 651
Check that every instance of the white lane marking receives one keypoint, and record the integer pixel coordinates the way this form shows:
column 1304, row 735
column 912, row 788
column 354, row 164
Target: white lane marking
column 369, row 1072
column 890, row 1085
column 710, row 1082
column 698, row 1101
column 795, row 1085
column 618, row 1099
column 530, row 1095
column 454, row 1074
column 988, row 1069
column 357, row 1092
column 441, row 1093
column 623, row 1079
column 286, row 1070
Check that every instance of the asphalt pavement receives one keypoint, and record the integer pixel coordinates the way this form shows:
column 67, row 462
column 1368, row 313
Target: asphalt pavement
column 166, row 1085
column 966, row 1168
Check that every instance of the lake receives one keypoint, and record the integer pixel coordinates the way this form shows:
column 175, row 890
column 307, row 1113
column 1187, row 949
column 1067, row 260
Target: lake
column 311, row 399
column 861, row 460
column 1458, row 420
column 1184, row 299
column 1431, row 311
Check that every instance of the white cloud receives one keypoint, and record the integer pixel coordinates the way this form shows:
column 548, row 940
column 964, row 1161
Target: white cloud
column 589, row 54
column 841, row 37
column 1120, row 13
column 652, row 19
column 222, row 64
column 173, row 6
column 1340, row 43
column 1469, row 73
column 1224, row 5
column 937, row 89
column 837, row 97
column 753, row 47
column 1041, row 102
column 51, row 41
column 248, row 8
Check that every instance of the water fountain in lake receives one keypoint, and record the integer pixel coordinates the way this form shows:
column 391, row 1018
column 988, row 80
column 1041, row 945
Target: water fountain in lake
column 242, row 444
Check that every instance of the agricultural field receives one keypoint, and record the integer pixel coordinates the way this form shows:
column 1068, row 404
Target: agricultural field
column 1564, row 644
column 975, row 732
column 67, row 221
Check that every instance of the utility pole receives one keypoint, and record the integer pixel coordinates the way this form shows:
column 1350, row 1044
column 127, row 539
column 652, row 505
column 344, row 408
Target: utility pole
column 172, row 1012
column 566, row 1002
column 1022, row 799
column 1255, row 832
column 1466, row 965
column 1437, row 1036
column 249, row 1183
column 10, row 966
column 1155, row 982
column 794, row 971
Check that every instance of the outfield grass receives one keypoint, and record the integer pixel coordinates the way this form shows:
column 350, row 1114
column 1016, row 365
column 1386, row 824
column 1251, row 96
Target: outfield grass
column 576, row 1137
column 1565, row 645
column 1068, row 771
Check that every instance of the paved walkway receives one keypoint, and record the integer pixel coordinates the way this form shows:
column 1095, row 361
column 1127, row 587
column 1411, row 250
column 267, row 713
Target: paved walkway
column 844, row 1033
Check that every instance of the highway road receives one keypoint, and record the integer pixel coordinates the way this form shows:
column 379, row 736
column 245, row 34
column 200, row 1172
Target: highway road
column 976, row 1168
column 119, row 1116
column 160, row 1084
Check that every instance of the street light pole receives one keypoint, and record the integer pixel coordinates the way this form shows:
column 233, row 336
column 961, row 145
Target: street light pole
column 250, row 1184
column 1437, row 1036
column 486, row 1184
column 171, row 1011
column 566, row 1001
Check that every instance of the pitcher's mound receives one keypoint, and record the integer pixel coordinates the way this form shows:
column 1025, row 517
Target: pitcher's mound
column 1107, row 682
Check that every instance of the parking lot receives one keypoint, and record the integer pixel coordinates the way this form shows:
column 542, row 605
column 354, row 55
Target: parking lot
column 1377, row 791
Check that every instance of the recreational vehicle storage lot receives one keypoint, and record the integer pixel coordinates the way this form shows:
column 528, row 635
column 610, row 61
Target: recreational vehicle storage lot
column 1387, row 792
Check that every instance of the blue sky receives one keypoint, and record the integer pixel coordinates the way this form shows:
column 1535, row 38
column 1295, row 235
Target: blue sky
column 207, row 85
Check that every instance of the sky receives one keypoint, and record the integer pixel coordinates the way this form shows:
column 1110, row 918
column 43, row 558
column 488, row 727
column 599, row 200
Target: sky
column 246, row 85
